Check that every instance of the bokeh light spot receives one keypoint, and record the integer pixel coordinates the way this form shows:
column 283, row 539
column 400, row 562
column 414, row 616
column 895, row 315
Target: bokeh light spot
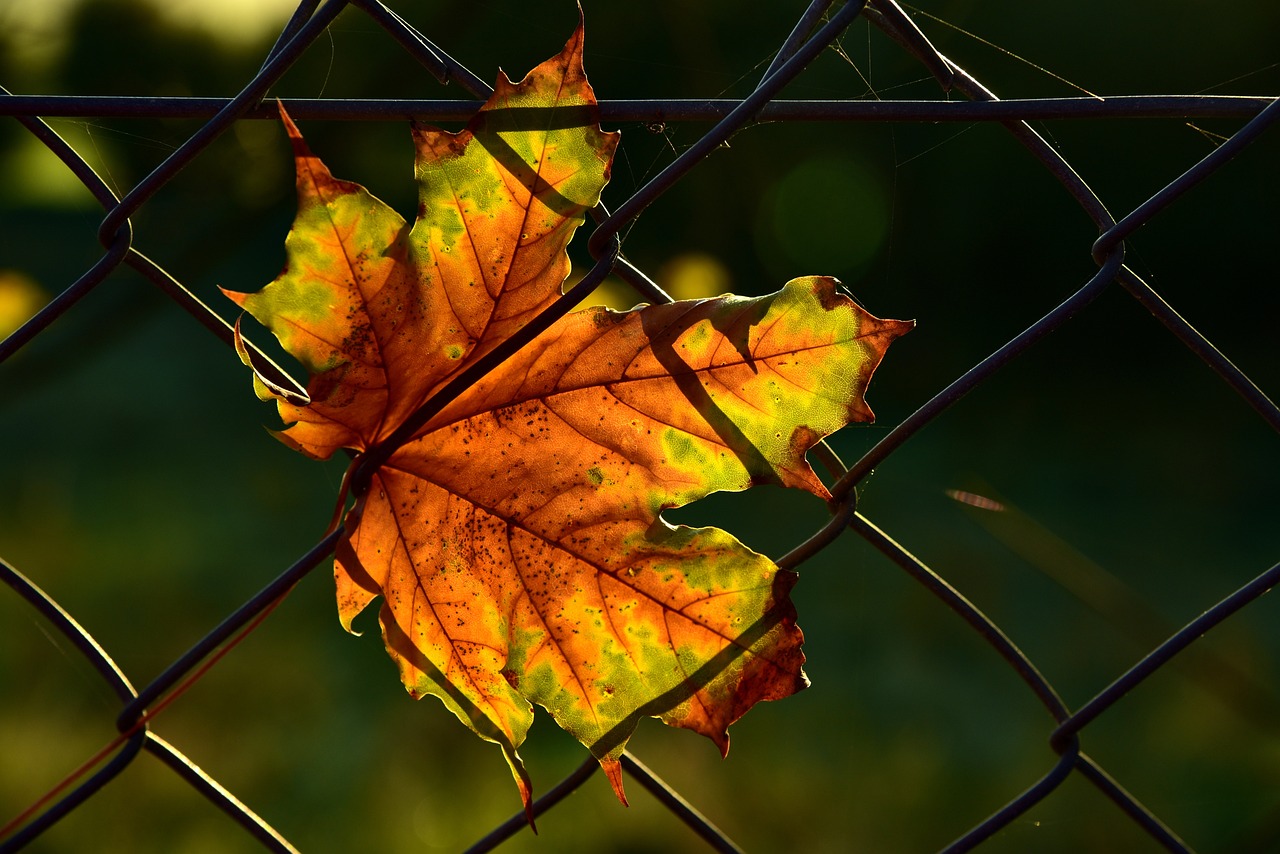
column 20, row 298
column 694, row 275
column 828, row 215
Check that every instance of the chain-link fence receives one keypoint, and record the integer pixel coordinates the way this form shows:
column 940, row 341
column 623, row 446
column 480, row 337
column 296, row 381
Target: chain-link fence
column 819, row 30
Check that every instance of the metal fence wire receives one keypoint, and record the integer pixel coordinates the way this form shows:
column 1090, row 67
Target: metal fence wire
column 821, row 25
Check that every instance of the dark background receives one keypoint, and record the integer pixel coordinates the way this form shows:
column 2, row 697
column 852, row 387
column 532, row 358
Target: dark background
column 139, row 488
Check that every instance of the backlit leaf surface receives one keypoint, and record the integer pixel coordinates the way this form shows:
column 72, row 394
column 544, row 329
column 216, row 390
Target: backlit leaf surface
column 516, row 539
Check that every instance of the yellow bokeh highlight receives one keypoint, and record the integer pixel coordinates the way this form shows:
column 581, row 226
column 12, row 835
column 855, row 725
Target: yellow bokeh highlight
column 689, row 275
column 694, row 275
column 20, row 298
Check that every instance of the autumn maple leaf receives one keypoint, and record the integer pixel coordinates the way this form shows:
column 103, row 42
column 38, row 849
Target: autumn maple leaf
column 516, row 538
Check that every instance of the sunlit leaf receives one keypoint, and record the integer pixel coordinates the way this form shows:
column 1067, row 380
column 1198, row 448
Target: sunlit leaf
column 516, row 539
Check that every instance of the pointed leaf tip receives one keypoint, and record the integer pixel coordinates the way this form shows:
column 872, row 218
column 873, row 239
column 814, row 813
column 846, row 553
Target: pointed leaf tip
column 523, row 783
column 613, row 771
column 296, row 141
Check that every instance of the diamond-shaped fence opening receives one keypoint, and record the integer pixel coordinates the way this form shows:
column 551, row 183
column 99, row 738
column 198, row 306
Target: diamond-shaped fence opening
column 1025, row 610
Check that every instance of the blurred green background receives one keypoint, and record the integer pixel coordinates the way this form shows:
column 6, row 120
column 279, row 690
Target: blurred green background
column 140, row 490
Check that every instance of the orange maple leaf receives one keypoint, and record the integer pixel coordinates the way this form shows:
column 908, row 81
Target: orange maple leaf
column 516, row 538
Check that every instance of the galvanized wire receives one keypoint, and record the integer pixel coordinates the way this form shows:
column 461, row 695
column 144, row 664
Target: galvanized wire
column 813, row 33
